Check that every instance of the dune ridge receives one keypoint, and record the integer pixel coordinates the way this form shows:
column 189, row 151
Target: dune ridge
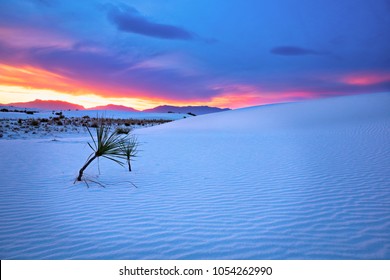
column 303, row 180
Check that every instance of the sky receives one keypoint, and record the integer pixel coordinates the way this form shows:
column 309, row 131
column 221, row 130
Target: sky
column 224, row 53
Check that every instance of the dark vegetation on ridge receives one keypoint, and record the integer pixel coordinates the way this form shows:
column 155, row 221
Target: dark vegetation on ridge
column 60, row 123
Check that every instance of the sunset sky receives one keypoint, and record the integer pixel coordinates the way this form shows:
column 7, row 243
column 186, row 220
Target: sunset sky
column 225, row 53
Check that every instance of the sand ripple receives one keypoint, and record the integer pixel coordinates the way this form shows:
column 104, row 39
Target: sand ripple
column 315, row 193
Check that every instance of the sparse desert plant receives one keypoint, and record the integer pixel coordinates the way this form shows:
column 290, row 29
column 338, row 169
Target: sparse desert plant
column 122, row 130
column 35, row 122
column 129, row 149
column 94, row 124
column 111, row 145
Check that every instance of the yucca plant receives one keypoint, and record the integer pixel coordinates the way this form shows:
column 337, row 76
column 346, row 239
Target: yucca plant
column 129, row 150
column 108, row 144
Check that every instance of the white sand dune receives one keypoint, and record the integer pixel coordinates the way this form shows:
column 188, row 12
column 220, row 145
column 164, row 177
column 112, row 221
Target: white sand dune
column 305, row 180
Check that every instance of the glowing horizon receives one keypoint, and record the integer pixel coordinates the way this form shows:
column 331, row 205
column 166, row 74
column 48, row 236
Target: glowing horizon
column 135, row 56
column 20, row 94
column 23, row 82
column 27, row 83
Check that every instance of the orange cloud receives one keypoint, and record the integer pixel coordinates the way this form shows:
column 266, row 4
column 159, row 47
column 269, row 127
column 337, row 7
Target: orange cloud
column 26, row 83
column 37, row 78
column 28, row 76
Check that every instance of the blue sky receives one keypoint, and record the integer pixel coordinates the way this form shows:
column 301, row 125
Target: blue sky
column 217, row 53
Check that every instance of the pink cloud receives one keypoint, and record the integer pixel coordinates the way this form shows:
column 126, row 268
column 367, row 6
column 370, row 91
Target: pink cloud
column 244, row 95
column 365, row 79
column 28, row 37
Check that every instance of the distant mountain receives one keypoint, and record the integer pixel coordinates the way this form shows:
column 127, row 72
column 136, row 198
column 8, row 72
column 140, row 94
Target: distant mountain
column 197, row 110
column 62, row 105
column 47, row 105
column 115, row 108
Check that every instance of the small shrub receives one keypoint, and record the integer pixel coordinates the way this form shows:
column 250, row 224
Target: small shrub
column 35, row 122
column 94, row 124
column 122, row 130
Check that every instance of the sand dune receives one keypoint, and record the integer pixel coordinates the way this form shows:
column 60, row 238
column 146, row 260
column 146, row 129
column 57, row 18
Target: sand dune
column 305, row 180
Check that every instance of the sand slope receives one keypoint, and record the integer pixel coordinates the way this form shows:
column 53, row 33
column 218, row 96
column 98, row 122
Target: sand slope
column 306, row 180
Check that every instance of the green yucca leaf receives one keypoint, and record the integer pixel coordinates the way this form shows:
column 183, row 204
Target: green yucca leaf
column 111, row 145
column 129, row 149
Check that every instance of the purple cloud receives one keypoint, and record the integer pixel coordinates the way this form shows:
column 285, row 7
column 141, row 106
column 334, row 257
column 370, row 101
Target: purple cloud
column 109, row 72
column 130, row 20
column 294, row 51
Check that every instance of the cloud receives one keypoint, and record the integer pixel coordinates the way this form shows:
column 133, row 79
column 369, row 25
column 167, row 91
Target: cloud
column 294, row 51
column 107, row 73
column 129, row 20
column 366, row 79
column 30, row 37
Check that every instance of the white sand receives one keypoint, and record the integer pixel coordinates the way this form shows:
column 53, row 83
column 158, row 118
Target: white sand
column 306, row 180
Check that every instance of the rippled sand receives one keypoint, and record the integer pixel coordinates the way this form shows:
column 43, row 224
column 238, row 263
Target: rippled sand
column 307, row 180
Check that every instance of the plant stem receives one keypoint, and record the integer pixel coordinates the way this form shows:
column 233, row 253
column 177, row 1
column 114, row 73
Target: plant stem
column 85, row 166
column 128, row 162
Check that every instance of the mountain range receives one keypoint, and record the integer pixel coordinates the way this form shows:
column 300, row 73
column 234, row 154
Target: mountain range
column 197, row 110
column 62, row 105
column 46, row 105
column 114, row 108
